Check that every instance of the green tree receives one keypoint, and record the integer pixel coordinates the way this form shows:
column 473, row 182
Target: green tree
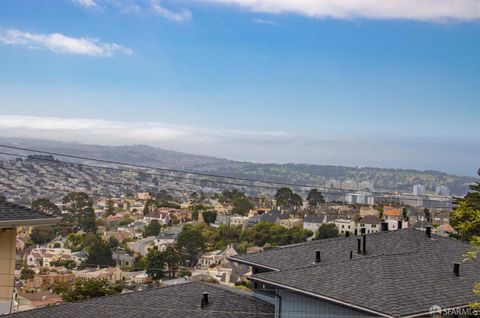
column 152, row 229
column 191, row 243
column 209, row 217
column 109, row 208
column 327, row 230
column 150, row 206
column 314, row 199
column 27, row 273
column 87, row 289
column 287, row 200
column 45, row 205
column 172, row 259
column 99, row 253
column 242, row 205
column 155, row 264
column 80, row 207
column 42, row 234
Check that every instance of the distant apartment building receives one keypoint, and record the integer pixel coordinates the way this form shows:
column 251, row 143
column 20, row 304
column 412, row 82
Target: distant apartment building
column 419, row 189
column 360, row 198
column 442, row 190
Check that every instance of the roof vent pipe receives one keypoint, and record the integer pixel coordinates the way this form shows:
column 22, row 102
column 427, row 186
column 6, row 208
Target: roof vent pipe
column 456, row 269
column 399, row 225
column 204, row 299
column 428, row 230
column 364, row 244
column 317, row 257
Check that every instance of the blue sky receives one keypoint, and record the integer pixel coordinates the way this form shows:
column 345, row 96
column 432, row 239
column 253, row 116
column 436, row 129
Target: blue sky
column 266, row 81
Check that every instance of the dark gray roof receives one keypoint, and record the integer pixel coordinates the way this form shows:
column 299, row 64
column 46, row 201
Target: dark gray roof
column 174, row 301
column 10, row 213
column 313, row 219
column 421, row 224
column 369, row 219
column 403, row 273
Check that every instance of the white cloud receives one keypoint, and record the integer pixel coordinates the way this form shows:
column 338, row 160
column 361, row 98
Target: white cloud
column 86, row 3
column 59, row 43
column 421, row 10
column 179, row 16
column 264, row 21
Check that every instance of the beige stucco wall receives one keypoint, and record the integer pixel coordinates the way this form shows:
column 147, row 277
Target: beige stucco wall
column 7, row 267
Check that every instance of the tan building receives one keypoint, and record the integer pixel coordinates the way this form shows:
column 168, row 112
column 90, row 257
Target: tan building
column 11, row 217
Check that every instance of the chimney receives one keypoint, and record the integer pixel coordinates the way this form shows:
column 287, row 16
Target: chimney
column 359, row 246
column 399, row 225
column 204, row 300
column 317, row 257
column 364, row 244
column 456, row 269
column 384, row 226
column 428, row 230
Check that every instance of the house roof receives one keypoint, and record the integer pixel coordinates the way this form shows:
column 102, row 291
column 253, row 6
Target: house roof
column 16, row 215
column 313, row 219
column 369, row 219
column 181, row 301
column 403, row 273
column 389, row 211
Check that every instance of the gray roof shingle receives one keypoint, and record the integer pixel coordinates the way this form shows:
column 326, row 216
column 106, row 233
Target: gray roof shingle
column 178, row 301
column 10, row 212
column 403, row 273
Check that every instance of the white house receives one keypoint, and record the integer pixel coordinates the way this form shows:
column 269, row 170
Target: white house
column 238, row 221
column 162, row 217
column 369, row 224
column 312, row 222
column 344, row 226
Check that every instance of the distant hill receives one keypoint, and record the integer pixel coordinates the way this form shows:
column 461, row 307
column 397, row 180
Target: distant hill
column 401, row 180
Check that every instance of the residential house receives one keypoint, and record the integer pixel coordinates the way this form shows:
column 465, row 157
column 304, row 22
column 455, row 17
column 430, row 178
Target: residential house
column 368, row 210
column 391, row 213
column 238, row 221
column 47, row 280
column 79, row 257
column 291, row 223
column 112, row 274
column 165, row 239
column 123, row 260
column 162, row 217
column 389, row 274
column 28, row 300
column 368, row 224
column 210, row 259
column 344, row 226
column 11, row 217
column 312, row 222
column 43, row 257
column 57, row 242
column 222, row 219
column 445, row 230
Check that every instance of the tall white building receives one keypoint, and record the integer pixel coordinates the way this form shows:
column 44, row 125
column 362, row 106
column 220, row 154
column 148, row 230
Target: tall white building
column 419, row 189
column 443, row 190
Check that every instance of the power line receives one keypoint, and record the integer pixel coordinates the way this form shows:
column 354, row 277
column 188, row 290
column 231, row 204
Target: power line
column 342, row 191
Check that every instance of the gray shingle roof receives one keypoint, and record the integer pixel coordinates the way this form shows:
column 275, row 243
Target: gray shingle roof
column 369, row 219
column 174, row 301
column 313, row 219
column 10, row 212
column 403, row 273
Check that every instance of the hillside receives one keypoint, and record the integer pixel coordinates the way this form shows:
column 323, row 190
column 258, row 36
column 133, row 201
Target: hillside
column 400, row 180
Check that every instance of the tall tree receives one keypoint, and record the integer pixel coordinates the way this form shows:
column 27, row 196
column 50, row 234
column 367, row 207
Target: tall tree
column 314, row 199
column 99, row 252
column 465, row 217
column 191, row 243
column 155, row 264
column 287, row 200
column 152, row 229
column 172, row 259
column 42, row 234
column 209, row 217
column 80, row 207
column 242, row 205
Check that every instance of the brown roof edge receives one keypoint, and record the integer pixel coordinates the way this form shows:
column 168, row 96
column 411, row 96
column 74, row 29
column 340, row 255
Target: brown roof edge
column 15, row 223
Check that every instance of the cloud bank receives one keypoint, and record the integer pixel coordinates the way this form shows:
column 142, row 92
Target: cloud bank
column 256, row 146
column 59, row 43
column 421, row 10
